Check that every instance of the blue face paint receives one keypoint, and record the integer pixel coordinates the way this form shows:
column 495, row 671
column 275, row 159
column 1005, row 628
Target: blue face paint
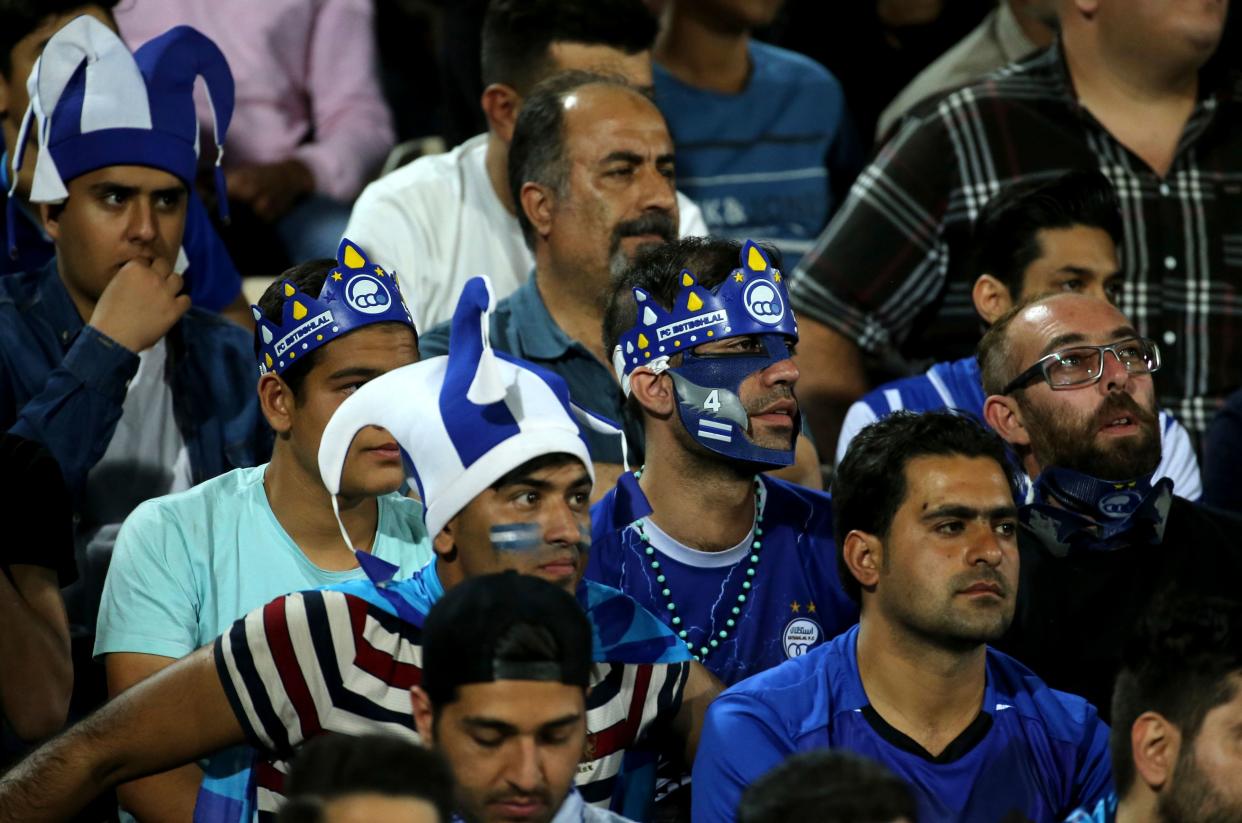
column 517, row 537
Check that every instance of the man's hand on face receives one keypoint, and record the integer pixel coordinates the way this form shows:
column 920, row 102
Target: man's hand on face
column 141, row 304
column 271, row 189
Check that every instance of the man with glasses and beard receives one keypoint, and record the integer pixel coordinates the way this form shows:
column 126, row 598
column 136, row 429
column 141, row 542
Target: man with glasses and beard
column 1070, row 389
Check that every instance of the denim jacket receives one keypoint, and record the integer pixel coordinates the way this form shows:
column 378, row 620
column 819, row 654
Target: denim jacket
column 63, row 383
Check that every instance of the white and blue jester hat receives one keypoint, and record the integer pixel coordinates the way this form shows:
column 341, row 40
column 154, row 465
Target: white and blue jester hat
column 94, row 104
column 752, row 300
column 463, row 420
column 356, row 293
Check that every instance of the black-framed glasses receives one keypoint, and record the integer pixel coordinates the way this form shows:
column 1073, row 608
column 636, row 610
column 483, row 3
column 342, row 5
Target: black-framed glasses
column 1083, row 365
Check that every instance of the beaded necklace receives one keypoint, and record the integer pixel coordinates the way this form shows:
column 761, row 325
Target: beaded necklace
column 713, row 642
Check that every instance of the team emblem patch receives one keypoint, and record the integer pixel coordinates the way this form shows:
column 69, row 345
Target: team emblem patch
column 763, row 302
column 1121, row 504
column 801, row 635
column 367, row 294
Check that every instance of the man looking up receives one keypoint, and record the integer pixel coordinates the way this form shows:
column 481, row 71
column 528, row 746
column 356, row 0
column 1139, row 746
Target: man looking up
column 926, row 526
column 445, row 218
column 1069, row 384
column 1034, row 238
column 507, row 662
column 504, row 473
column 102, row 359
column 187, row 565
column 1176, row 713
column 212, row 281
column 738, row 564
column 1126, row 89
column 591, row 169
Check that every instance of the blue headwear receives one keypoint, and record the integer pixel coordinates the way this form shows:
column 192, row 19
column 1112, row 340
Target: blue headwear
column 98, row 105
column 752, row 300
column 356, row 293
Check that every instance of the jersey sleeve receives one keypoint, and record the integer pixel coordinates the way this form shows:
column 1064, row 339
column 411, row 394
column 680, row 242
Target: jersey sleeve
column 1178, row 460
column 150, row 603
column 1093, row 777
column 740, row 742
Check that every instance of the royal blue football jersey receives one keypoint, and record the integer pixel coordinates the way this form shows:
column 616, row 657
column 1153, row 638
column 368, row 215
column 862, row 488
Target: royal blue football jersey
column 1033, row 754
column 795, row 601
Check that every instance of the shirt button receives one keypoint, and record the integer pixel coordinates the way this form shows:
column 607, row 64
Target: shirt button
column 1170, row 337
column 1164, row 189
column 1170, row 262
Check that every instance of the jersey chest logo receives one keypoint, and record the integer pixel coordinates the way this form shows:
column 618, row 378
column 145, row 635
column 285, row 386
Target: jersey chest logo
column 801, row 635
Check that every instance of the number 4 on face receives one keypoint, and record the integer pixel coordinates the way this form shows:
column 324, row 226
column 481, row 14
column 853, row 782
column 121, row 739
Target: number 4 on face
column 712, row 403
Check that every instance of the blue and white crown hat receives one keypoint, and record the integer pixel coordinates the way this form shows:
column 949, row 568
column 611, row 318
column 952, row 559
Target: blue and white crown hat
column 753, row 299
column 356, row 293
column 463, row 420
column 94, row 104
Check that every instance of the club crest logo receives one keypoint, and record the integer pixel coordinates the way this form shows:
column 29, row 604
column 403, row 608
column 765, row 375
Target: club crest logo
column 801, row 635
column 763, row 303
column 367, row 294
column 1121, row 504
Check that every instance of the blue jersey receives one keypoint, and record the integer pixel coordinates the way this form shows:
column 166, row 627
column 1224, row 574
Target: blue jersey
column 1033, row 754
column 795, row 601
column 958, row 385
column 764, row 163
column 1103, row 812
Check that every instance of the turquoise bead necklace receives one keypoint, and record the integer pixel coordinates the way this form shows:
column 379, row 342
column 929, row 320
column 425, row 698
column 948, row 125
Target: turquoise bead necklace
column 722, row 635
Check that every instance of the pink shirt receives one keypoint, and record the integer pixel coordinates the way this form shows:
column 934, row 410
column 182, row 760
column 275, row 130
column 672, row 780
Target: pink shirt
column 306, row 78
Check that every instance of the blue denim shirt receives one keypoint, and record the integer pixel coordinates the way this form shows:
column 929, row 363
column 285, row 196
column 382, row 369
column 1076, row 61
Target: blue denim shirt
column 521, row 326
column 63, row 383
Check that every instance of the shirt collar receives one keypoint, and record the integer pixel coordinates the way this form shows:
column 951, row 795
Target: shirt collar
column 573, row 810
column 1014, row 44
column 62, row 313
column 541, row 337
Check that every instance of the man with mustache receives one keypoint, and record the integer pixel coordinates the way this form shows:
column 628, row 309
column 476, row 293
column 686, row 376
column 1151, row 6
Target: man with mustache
column 927, row 530
column 495, row 450
column 738, row 564
column 1069, row 384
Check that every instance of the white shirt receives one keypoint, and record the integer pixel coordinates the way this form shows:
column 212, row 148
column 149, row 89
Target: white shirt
column 438, row 222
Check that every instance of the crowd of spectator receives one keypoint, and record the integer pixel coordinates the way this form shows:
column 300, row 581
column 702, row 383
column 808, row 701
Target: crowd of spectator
column 650, row 410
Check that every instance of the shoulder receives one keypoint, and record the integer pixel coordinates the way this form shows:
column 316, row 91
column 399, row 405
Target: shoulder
column 196, row 507
column 790, row 700
column 1062, row 716
column 21, row 289
column 792, row 66
column 428, row 178
column 810, row 508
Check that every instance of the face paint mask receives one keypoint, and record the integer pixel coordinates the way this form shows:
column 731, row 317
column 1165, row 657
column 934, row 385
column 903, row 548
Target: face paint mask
column 750, row 302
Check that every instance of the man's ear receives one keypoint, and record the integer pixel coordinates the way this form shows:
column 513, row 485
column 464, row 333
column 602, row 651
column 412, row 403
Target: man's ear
column 656, row 395
column 538, row 202
column 1004, row 415
column 445, row 542
column 49, row 216
column 501, row 105
column 864, row 555
column 1154, row 745
column 420, row 707
column 276, row 401
column 991, row 298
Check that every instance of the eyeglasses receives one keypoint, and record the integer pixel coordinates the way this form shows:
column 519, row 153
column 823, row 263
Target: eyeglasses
column 1082, row 365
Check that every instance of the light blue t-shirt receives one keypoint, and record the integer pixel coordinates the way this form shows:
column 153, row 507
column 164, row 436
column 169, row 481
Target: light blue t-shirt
column 187, row 565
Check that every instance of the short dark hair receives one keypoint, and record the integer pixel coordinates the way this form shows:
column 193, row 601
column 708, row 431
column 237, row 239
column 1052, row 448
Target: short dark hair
column 1005, row 239
column 332, row 766
column 307, row 278
column 19, row 18
column 832, row 786
column 517, row 34
column 870, row 481
column 537, row 150
column 1182, row 661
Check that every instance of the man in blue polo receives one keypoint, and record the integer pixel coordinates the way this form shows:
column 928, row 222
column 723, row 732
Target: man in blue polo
column 1038, row 237
column 926, row 526
column 738, row 563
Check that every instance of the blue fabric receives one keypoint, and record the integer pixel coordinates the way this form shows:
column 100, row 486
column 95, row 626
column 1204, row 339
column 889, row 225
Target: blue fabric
column 796, row 601
column 522, row 327
column 1103, row 812
column 1044, row 754
column 762, row 163
column 62, row 384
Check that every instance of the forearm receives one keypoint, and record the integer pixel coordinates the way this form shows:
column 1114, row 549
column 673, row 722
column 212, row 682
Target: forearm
column 36, row 670
column 165, row 797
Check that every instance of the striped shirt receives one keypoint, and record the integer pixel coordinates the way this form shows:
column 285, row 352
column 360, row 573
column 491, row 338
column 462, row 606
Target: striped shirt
column 890, row 274
column 344, row 659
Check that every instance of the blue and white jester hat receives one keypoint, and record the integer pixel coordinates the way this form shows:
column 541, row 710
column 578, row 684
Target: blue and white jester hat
column 752, row 300
column 357, row 293
column 463, row 420
column 95, row 104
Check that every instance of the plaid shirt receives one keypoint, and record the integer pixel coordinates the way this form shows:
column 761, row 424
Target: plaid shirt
column 889, row 272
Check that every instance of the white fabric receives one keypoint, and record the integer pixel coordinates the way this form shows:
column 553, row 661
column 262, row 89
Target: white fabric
column 438, row 222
